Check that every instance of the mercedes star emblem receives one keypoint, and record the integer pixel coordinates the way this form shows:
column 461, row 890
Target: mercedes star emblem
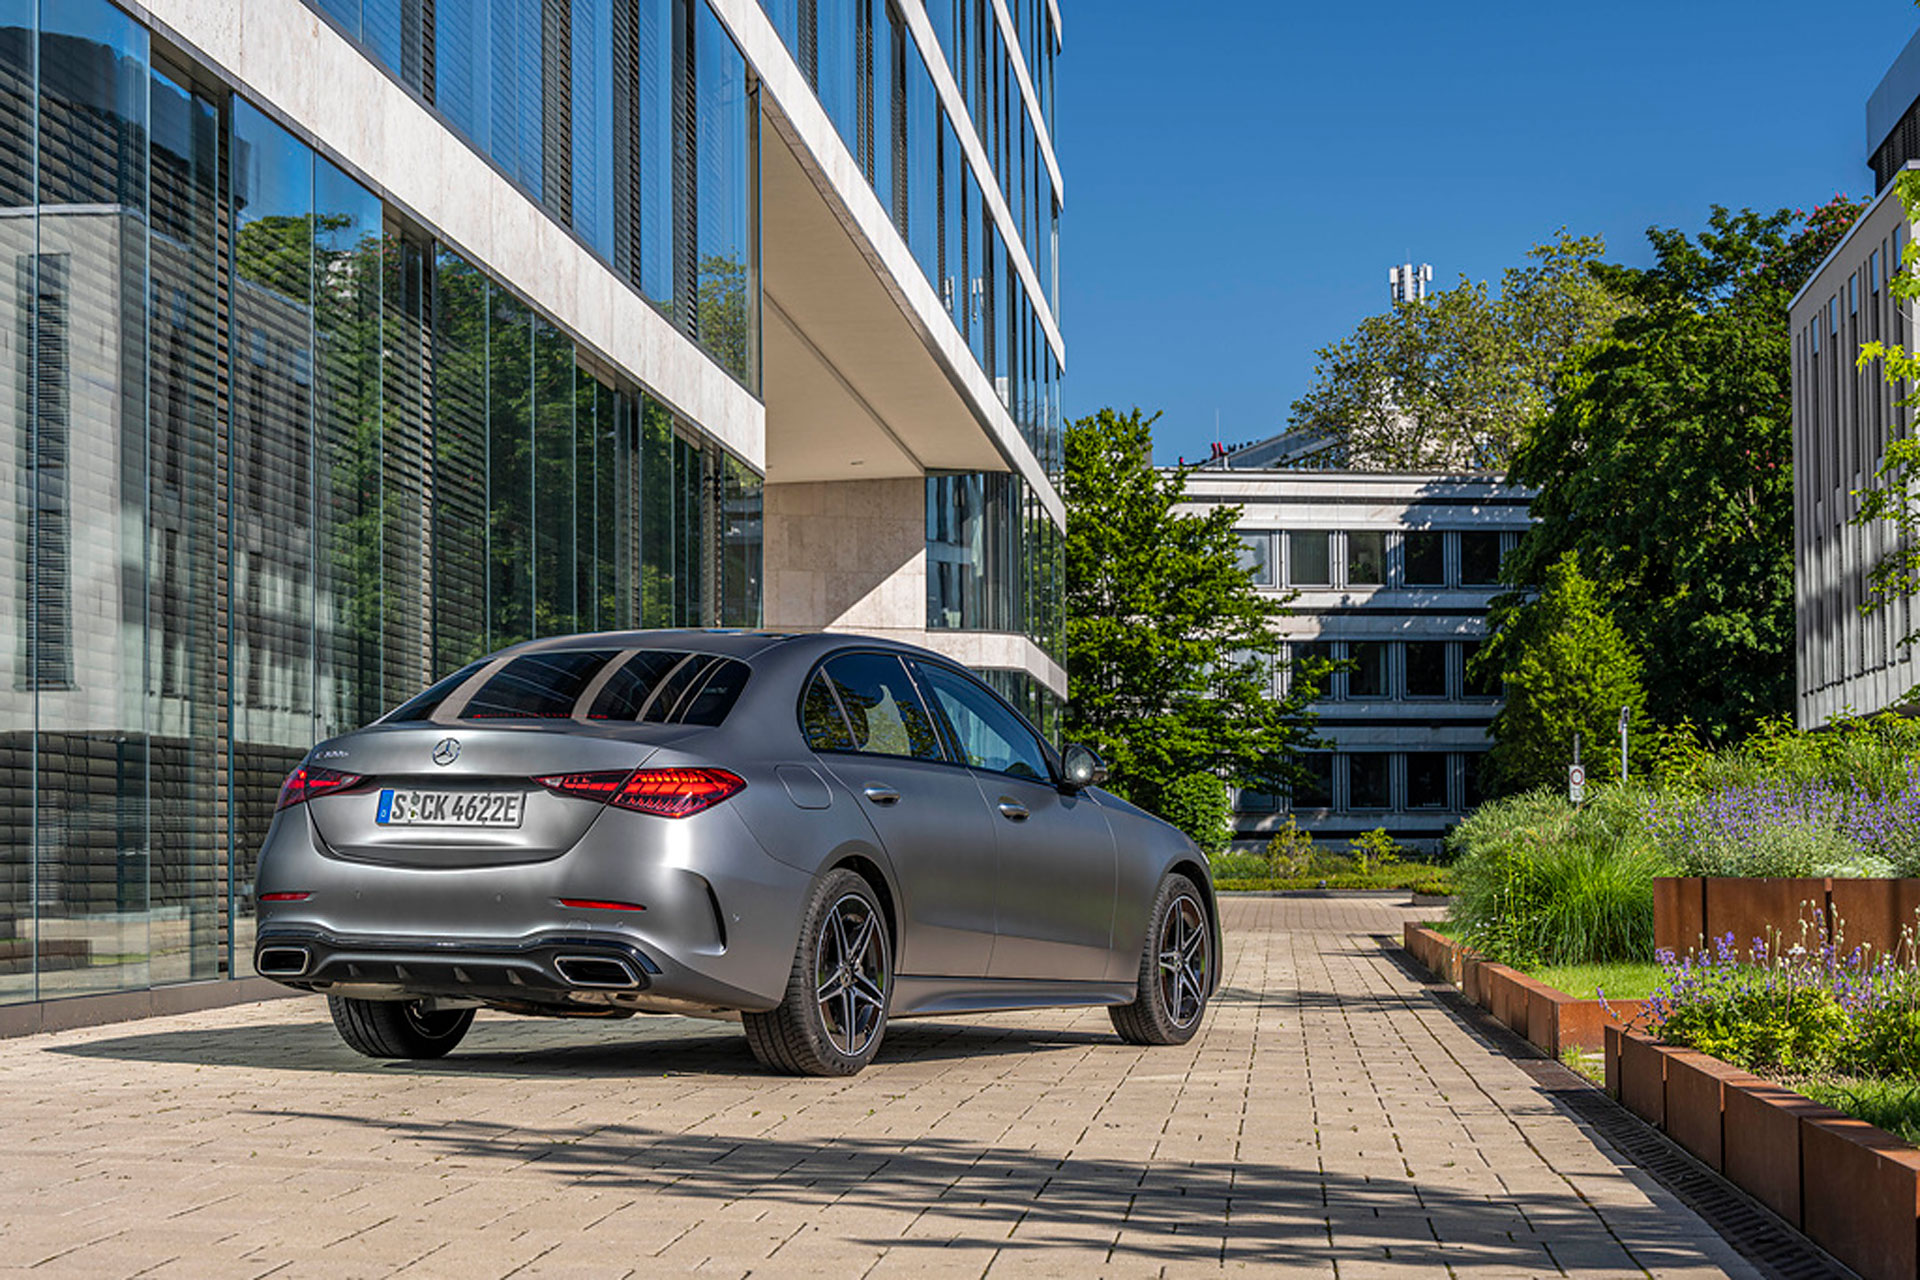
column 446, row 751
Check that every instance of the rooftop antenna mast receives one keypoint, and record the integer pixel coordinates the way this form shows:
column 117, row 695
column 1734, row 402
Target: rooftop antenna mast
column 1408, row 283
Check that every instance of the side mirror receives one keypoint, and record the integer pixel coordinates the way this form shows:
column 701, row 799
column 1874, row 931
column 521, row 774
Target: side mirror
column 1082, row 767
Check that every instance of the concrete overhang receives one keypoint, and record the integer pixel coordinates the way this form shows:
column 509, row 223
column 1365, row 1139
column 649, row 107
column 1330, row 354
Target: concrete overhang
column 865, row 376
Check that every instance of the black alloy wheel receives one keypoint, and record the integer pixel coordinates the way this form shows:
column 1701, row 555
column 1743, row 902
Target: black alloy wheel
column 835, row 1011
column 1176, row 969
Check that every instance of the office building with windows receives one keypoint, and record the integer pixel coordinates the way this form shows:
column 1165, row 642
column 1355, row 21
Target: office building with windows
column 1393, row 573
column 351, row 339
column 1850, row 655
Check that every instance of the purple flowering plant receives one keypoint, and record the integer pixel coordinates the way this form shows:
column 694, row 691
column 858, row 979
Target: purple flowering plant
column 1810, row 1006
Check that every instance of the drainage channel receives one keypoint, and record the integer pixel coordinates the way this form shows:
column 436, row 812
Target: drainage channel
column 1775, row 1248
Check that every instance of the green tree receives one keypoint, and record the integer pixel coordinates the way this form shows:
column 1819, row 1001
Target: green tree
column 1198, row 804
column 1568, row 670
column 1456, row 379
column 1169, row 646
column 1666, row 462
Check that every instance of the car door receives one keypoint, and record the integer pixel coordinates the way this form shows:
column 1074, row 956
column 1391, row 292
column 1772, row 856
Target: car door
column 1057, row 866
column 866, row 722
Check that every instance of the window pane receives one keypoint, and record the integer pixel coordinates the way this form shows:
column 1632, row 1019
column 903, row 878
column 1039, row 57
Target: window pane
column 1310, row 561
column 554, row 446
column 922, row 204
column 628, row 689
column 187, row 766
column 592, row 70
column 883, row 708
column 1426, row 564
column 1479, row 684
column 699, row 693
column 423, row 705
column 271, row 589
column 1366, row 558
column 77, row 335
column 1426, row 669
column 658, row 527
column 347, row 253
column 1426, row 780
column 1312, row 655
column 725, row 316
column 988, row 734
column 459, row 462
column 1315, row 791
column 741, row 547
column 820, row 718
column 1369, row 780
column 1368, row 678
column 1256, row 555
column 1479, row 558
column 510, row 467
column 659, row 157
column 537, row 686
column 1471, row 794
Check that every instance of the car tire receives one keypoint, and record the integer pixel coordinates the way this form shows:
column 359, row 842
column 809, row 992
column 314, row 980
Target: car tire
column 398, row 1028
column 835, row 1011
column 1176, row 969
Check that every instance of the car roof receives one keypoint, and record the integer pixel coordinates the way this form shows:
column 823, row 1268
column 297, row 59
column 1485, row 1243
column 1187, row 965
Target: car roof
column 728, row 642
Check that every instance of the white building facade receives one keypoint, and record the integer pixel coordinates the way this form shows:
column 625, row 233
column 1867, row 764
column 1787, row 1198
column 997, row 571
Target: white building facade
column 1394, row 573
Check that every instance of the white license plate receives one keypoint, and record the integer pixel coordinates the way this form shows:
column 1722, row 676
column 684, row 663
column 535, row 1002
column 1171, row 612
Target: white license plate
column 450, row 808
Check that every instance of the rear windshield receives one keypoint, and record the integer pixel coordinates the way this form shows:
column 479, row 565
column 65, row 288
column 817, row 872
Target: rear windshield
column 654, row 686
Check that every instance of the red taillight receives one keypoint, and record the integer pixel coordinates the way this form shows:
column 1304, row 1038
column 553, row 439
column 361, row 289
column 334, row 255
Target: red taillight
column 585, row 786
column 664, row 793
column 285, row 897
column 308, row 781
column 600, row 904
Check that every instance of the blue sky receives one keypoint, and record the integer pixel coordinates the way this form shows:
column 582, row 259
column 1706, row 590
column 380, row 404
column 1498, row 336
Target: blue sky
column 1240, row 175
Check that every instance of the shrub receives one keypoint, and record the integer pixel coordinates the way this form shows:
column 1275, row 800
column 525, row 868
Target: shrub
column 1538, row 880
column 1374, row 848
column 1198, row 804
column 1290, row 853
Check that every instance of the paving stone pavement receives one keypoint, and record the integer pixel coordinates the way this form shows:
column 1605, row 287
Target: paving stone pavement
column 1331, row 1120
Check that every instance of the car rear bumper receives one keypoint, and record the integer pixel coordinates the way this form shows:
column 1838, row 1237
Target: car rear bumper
column 546, row 967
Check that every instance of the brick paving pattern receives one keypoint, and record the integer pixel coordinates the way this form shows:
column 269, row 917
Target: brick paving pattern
column 1330, row 1120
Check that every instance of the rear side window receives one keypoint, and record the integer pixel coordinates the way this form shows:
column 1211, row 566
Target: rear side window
column 820, row 718
column 537, row 686
column 883, row 708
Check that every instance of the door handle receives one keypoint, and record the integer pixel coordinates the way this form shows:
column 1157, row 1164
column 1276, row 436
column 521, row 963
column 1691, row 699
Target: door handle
column 1013, row 811
column 882, row 795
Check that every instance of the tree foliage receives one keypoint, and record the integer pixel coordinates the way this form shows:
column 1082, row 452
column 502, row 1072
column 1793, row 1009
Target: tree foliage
column 1455, row 380
column 1169, row 646
column 1568, row 670
column 1666, row 463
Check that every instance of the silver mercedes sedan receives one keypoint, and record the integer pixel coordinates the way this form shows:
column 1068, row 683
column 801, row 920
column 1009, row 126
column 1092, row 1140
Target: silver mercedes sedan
column 814, row 833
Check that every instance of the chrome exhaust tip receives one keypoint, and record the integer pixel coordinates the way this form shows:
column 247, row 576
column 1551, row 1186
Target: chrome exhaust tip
column 281, row 962
column 600, row 973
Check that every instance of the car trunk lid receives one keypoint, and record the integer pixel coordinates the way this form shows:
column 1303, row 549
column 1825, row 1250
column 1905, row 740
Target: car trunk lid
column 452, row 796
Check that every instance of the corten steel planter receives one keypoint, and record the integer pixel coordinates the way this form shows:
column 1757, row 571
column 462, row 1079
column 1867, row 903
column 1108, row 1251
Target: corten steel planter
column 1853, row 1188
column 1760, row 1141
column 1874, row 915
column 1691, row 914
column 1551, row 1020
column 1696, row 1101
column 1860, row 1189
column 1643, row 1079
